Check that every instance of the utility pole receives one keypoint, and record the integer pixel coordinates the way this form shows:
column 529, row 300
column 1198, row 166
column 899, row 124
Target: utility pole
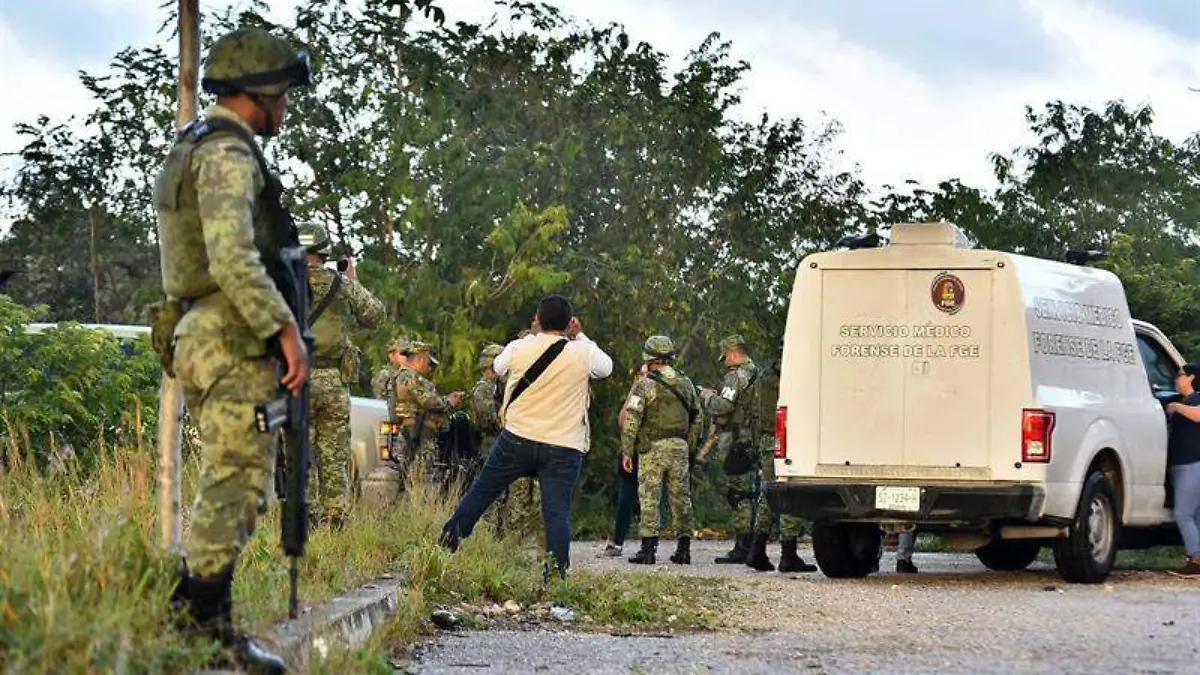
column 170, row 407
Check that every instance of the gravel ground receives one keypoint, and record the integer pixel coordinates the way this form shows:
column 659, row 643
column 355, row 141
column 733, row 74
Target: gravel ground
column 953, row 617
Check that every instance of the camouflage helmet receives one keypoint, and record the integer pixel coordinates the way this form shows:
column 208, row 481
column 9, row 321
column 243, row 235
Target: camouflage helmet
column 253, row 60
column 314, row 238
column 488, row 355
column 658, row 348
column 400, row 344
column 732, row 342
column 423, row 348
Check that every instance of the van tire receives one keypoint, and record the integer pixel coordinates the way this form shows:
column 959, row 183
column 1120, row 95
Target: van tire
column 1008, row 555
column 847, row 550
column 1085, row 555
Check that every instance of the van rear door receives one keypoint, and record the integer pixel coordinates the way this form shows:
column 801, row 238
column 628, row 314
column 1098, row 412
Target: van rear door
column 905, row 375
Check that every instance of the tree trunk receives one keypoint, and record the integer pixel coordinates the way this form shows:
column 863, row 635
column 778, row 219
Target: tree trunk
column 93, row 226
column 170, row 402
column 189, row 60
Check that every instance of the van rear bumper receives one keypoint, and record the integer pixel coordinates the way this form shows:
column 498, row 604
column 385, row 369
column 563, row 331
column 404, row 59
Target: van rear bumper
column 939, row 502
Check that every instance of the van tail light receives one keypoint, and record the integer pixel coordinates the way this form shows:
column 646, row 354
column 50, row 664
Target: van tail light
column 1037, row 434
column 387, row 432
column 781, row 432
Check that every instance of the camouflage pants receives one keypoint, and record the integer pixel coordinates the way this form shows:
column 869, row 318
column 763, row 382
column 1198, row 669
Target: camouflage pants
column 665, row 461
column 236, row 462
column 524, row 507
column 740, row 491
column 789, row 526
column 329, row 434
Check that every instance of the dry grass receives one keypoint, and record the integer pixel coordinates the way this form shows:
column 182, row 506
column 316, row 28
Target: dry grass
column 84, row 584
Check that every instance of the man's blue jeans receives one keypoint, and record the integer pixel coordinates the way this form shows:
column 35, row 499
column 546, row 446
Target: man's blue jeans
column 1185, row 479
column 627, row 499
column 512, row 457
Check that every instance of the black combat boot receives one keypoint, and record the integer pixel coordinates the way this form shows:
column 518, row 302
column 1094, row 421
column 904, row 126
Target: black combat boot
column 180, row 598
column 683, row 551
column 646, row 555
column 758, row 559
column 741, row 546
column 210, row 607
column 789, row 561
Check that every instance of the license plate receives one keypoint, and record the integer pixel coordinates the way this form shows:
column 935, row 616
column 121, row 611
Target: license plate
column 897, row 498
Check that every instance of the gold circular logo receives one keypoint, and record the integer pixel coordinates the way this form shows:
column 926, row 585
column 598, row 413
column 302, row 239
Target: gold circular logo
column 948, row 293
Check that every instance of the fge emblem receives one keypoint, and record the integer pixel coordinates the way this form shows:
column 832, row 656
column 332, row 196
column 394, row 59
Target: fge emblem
column 948, row 293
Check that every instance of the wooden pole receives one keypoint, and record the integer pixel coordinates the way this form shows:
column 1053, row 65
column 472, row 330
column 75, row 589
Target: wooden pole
column 170, row 408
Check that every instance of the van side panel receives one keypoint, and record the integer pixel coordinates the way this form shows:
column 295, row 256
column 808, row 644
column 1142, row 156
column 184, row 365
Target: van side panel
column 1087, row 368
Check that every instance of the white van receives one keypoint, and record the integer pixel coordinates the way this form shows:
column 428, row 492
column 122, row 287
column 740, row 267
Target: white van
column 1004, row 402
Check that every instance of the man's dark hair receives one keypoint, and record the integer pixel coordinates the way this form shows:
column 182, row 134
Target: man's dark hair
column 554, row 312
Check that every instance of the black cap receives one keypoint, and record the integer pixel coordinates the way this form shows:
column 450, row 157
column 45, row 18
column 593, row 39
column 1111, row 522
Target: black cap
column 1190, row 369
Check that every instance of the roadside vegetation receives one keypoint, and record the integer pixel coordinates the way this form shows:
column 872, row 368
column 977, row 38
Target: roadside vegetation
column 84, row 583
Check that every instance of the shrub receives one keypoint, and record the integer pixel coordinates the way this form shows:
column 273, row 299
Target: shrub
column 71, row 391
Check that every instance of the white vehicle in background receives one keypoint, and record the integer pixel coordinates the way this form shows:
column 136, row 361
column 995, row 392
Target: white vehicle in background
column 1003, row 402
column 367, row 416
column 123, row 332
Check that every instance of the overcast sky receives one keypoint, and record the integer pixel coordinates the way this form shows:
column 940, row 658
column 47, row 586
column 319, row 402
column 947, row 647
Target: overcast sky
column 924, row 88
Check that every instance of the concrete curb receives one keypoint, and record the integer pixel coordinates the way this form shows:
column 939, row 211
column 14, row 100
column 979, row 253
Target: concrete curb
column 347, row 620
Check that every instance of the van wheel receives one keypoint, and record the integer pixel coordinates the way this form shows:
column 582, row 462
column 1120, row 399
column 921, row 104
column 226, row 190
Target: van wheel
column 847, row 550
column 1086, row 555
column 1007, row 555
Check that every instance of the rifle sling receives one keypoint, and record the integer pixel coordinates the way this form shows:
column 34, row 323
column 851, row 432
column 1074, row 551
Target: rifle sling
column 326, row 301
column 692, row 412
column 535, row 371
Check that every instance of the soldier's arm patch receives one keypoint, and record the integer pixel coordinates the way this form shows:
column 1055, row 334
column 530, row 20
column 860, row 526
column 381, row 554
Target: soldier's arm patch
column 729, row 394
column 635, row 403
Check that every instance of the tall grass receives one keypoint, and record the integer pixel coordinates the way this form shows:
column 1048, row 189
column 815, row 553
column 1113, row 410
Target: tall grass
column 84, row 585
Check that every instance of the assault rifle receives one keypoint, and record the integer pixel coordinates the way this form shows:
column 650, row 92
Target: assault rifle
column 290, row 415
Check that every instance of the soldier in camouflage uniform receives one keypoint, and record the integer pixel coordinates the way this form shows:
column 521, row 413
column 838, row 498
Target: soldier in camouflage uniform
column 485, row 402
column 349, row 306
column 662, row 424
column 484, row 407
column 420, row 410
column 523, row 501
column 790, row 527
column 381, row 384
column 210, row 208
column 735, row 417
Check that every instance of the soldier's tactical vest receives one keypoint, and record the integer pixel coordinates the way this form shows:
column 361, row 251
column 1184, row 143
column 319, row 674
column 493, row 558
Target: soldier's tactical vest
column 768, row 399
column 330, row 332
column 745, row 415
column 405, row 408
column 666, row 416
column 185, row 274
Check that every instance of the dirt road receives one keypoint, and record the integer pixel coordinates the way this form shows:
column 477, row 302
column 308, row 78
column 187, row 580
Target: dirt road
column 953, row 617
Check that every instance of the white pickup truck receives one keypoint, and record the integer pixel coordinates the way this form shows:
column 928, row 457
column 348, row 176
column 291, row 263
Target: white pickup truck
column 1004, row 402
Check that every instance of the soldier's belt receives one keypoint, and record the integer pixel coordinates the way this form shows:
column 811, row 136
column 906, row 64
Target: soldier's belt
column 682, row 436
column 326, row 362
column 190, row 303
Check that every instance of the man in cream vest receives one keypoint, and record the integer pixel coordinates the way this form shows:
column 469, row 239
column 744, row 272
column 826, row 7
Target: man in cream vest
column 545, row 433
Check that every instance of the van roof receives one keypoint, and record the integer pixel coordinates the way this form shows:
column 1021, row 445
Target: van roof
column 118, row 330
